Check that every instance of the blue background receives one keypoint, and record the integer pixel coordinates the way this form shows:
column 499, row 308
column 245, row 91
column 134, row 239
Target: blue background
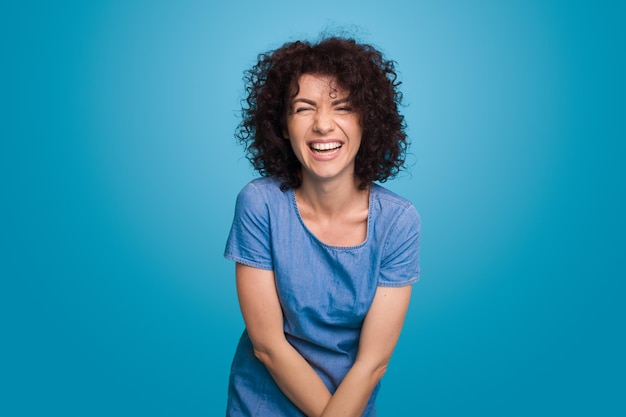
column 120, row 171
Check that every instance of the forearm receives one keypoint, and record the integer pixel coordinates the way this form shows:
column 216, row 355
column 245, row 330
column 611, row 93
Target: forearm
column 263, row 316
column 380, row 332
column 355, row 390
column 296, row 378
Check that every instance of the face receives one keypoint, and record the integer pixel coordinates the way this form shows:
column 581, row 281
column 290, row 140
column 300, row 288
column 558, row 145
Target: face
column 324, row 130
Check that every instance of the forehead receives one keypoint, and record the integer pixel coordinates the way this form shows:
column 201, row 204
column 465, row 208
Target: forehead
column 320, row 86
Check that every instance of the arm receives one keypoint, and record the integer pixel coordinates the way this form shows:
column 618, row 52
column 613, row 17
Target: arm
column 379, row 335
column 263, row 317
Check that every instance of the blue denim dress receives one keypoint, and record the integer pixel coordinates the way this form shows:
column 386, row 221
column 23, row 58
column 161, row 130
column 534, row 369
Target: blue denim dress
column 325, row 291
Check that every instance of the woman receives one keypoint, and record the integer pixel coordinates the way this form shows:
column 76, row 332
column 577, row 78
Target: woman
column 325, row 258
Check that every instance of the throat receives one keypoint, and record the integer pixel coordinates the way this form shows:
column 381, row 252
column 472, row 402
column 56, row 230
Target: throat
column 346, row 224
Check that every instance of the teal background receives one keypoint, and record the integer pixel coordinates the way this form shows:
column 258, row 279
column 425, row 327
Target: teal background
column 120, row 171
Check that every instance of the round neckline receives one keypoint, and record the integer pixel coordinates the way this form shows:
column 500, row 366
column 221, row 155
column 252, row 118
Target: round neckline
column 294, row 202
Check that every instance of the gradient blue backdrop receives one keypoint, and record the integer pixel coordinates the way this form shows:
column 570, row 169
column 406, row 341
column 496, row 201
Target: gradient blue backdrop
column 120, row 171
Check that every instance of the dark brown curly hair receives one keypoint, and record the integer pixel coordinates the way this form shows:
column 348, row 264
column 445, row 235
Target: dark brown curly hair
column 359, row 68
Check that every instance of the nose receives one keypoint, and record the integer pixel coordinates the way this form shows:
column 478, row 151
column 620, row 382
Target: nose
column 323, row 122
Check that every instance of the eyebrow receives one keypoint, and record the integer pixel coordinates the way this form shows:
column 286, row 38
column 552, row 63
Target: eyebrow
column 312, row 103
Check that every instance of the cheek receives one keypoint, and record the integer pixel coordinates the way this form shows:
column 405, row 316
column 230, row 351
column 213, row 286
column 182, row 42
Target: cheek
column 295, row 129
column 352, row 128
column 289, row 127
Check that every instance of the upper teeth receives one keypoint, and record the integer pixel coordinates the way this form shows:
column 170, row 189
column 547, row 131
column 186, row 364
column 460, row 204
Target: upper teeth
column 325, row 146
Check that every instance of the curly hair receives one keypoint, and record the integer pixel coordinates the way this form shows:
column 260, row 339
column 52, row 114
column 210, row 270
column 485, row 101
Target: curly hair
column 371, row 81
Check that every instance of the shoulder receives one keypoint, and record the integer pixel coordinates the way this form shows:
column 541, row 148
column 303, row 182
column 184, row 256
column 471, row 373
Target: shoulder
column 260, row 190
column 262, row 197
column 401, row 241
column 395, row 207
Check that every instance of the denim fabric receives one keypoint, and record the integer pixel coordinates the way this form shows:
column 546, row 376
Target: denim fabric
column 325, row 291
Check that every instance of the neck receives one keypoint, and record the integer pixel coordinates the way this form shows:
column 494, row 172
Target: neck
column 331, row 197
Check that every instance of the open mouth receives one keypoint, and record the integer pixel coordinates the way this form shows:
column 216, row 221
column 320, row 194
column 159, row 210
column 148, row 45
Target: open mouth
column 325, row 148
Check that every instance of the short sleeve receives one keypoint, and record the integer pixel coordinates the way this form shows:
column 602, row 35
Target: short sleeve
column 400, row 262
column 249, row 239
